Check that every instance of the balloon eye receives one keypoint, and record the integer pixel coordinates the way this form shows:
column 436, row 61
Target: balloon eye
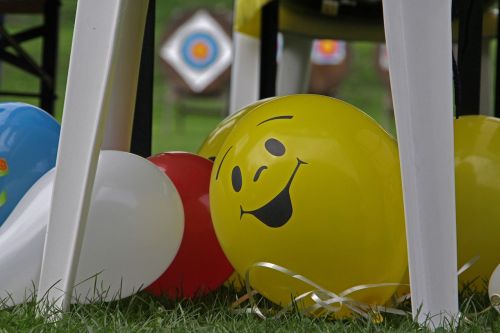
column 274, row 147
column 236, row 178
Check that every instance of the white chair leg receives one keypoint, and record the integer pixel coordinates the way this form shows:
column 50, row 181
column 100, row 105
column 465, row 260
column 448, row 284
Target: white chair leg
column 100, row 48
column 418, row 35
column 487, row 70
column 245, row 72
column 118, row 132
column 294, row 66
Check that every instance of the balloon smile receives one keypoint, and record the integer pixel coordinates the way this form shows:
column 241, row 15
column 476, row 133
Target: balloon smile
column 279, row 210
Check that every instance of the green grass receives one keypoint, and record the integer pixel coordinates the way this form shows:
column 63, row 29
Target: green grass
column 143, row 313
column 212, row 313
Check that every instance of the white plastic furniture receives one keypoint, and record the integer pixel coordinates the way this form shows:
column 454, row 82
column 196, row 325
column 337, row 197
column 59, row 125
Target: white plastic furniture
column 419, row 41
column 102, row 80
column 419, row 38
column 246, row 64
column 102, row 83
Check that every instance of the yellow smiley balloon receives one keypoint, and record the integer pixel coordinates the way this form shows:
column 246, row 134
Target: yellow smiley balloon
column 209, row 149
column 477, row 167
column 312, row 184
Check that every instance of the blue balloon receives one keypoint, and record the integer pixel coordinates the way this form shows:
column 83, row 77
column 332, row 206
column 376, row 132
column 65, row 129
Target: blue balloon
column 28, row 148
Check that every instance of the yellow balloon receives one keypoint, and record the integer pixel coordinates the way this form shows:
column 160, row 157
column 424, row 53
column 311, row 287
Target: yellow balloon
column 209, row 149
column 312, row 184
column 212, row 144
column 477, row 167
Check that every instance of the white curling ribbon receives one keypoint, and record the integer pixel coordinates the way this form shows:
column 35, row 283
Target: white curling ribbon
column 328, row 302
column 495, row 301
column 494, row 289
column 467, row 265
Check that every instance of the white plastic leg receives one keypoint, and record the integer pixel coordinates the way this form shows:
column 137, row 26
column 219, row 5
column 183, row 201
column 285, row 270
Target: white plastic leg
column 487, row 70
column 294, row 66
column 418, row 35
column 245, row 72
column 98, row 38
column 118, row 132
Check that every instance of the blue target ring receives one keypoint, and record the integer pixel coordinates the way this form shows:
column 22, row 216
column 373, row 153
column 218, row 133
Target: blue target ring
column 199, row 50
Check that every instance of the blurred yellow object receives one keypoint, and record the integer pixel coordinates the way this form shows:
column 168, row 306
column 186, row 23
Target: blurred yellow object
column 248, row 16
column 312, row 184
column 305, row 19
column 477, row 182
column 477, row 167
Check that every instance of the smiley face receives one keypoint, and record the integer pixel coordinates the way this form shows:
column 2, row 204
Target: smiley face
column 311, row 184
column 278, row 210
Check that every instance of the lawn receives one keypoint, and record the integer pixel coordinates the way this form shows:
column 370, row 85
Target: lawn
column 212, row 313
column 143, row 313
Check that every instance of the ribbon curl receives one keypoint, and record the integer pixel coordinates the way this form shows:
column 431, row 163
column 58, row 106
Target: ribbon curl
column 326, row 302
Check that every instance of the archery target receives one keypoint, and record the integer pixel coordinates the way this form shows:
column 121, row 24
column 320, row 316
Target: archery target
column 199, row 51
column 328, row 52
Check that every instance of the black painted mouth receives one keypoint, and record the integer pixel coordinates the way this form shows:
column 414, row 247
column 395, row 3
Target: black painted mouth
column 279, row 210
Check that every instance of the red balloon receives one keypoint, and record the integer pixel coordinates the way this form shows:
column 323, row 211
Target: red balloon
column 200, row 265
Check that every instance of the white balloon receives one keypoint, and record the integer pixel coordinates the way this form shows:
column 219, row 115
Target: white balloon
column 494, row 288
column 134, row 230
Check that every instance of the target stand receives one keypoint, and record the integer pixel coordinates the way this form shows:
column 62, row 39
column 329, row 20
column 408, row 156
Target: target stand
column 196, row 55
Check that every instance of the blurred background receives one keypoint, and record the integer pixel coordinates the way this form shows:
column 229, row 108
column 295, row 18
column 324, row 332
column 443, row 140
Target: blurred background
column 353, row 72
